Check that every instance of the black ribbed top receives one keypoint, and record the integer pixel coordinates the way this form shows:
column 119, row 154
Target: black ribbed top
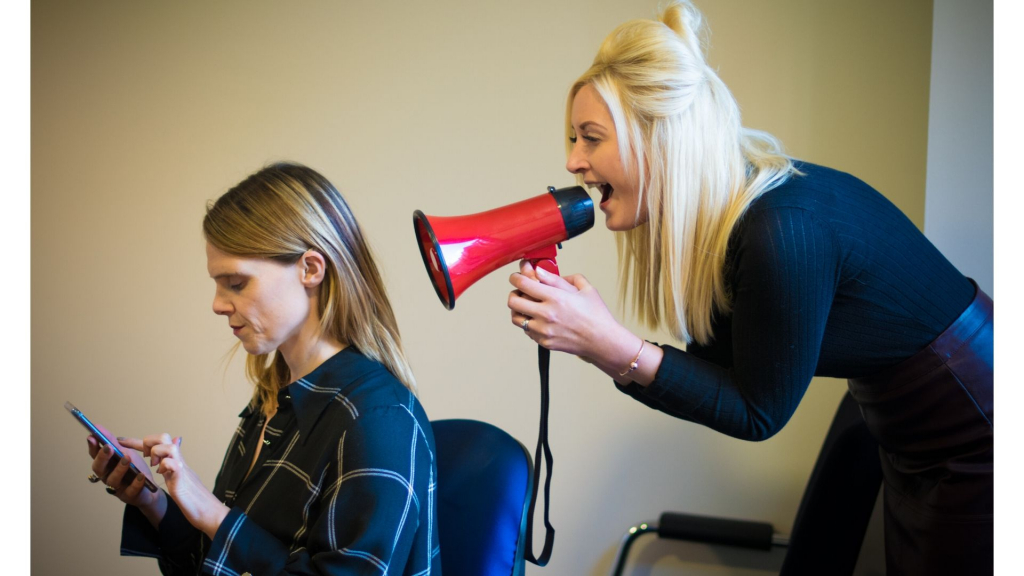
column 828, row 278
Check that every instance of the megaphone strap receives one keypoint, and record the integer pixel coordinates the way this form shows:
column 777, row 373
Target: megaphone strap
column 543, row 361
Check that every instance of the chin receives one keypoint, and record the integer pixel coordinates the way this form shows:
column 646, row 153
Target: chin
column 615, row 225
column 255, row 348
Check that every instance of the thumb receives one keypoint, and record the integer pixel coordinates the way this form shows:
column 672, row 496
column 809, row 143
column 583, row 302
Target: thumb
column 578, row 281
column 526, row 269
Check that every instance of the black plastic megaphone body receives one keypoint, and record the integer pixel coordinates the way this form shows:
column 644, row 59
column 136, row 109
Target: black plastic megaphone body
column 459, row 250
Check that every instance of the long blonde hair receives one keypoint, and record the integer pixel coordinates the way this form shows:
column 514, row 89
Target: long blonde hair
column 279, row 213
column 698, row 168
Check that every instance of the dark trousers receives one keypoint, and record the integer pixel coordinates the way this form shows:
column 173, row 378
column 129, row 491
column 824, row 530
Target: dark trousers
column 932, row 416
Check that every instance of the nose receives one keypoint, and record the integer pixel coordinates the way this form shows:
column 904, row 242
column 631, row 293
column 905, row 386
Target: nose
column 576, row 164
column 221, row 305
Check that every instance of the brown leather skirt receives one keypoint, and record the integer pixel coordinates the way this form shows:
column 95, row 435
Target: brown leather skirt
column 932, row 416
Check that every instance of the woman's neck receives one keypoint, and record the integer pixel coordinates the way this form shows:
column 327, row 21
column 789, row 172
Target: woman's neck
column 308, row 348
column 303, row 357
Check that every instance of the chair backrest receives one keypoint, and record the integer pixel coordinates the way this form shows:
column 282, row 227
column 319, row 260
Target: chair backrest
column 484, row 483
column 839, row 499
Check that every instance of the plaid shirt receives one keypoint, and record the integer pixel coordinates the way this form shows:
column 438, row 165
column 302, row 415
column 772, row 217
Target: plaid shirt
column 344, row 484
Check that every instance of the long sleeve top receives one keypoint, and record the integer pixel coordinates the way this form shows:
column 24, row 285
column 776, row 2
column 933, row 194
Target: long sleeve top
column 828, row 278
column 344, row 484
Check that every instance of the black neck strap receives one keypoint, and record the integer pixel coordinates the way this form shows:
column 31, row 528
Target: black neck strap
column 543, row 361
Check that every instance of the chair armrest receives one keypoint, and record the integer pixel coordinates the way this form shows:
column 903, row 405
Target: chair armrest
column 712, row 530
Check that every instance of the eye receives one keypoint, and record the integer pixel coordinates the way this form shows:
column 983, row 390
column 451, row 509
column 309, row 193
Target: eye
column 572, row 139
column 591, row 139
column 236, row 286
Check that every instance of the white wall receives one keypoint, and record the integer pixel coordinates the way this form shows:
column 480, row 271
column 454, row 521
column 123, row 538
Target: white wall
column 958, row 198
column 143, row 111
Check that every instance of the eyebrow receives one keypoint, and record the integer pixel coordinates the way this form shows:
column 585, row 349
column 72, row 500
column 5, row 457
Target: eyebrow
column 224, row 275
column 591, row 123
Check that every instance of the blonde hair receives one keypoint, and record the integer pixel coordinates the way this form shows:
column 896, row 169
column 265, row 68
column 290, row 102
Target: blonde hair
column 698, row 168
column 279, row 213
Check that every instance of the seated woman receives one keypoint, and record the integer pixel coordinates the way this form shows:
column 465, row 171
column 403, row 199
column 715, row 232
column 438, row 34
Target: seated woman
column 331, row 470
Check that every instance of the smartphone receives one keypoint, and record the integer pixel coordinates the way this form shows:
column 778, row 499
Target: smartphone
column 104, row 441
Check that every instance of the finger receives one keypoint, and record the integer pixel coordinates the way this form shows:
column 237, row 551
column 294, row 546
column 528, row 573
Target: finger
column 555, row 281
column 133, row 443
column 169, row 468
column 533, row 288
column 116, row 476
column 526, row 269
column 94, row 446
column 525, row 306
column 162, row 451
column 102, row 462
column 130, row 493
column 153, row 441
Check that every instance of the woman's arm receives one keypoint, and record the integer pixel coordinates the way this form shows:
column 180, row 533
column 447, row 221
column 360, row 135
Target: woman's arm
column 786, row 276
column 787, row 273
column 168, row 530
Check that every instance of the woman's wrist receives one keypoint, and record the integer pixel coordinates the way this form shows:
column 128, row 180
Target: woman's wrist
column 156, row 509
column 214, row 517
column 623, row 349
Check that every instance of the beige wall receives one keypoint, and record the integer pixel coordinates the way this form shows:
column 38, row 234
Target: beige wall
column 141, row 112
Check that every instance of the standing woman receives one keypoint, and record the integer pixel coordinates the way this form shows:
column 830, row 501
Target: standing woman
column 331, row 469
column 772, row 271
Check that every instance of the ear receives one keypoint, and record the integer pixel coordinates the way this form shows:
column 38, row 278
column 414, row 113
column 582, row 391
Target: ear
column 312, row 267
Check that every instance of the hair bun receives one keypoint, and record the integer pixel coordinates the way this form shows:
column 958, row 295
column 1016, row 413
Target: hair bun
column 686, row 20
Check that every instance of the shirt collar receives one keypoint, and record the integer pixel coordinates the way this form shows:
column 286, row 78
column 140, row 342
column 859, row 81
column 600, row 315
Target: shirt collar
column 310, row 395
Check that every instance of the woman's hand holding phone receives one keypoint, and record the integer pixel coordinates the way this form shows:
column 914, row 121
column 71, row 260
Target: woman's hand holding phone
column 112, row 470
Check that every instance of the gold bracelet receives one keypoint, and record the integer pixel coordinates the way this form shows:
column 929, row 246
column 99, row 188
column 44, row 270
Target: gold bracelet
column 634, row 363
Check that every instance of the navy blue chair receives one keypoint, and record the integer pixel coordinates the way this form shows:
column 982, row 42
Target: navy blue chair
column 484, row 484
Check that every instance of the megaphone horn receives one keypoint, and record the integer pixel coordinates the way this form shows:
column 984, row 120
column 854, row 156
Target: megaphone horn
column 459, row 250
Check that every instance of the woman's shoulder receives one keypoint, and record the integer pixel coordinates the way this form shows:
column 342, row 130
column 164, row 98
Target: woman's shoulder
column 812, row 187
column 366, row 387
column 824, row 194
column 361, row 377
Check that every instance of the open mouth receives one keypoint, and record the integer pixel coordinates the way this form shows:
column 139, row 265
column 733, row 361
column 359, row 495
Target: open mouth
column 605, row 189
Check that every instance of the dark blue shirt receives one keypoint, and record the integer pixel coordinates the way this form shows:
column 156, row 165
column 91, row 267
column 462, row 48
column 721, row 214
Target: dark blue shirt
column 828, row 278
column 344, row 484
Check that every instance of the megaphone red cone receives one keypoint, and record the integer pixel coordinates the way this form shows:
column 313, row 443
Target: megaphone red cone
column 459, row 250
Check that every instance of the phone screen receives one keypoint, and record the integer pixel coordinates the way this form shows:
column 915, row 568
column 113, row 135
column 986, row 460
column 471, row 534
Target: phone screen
column 105, row 441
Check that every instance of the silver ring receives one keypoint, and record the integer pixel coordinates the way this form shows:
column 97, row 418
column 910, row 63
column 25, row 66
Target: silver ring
column 525, row 325
column 93, row 478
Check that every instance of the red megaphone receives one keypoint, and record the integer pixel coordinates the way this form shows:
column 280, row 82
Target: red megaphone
column 459, row 250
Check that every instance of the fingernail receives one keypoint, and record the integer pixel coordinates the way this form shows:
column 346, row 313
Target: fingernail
column 107, row 449
column 120, row 438
column 180, row 440
column 125, row 461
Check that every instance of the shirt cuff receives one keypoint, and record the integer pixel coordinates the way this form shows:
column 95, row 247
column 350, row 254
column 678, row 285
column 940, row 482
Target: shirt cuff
column 241, row 546
column 140, row 538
